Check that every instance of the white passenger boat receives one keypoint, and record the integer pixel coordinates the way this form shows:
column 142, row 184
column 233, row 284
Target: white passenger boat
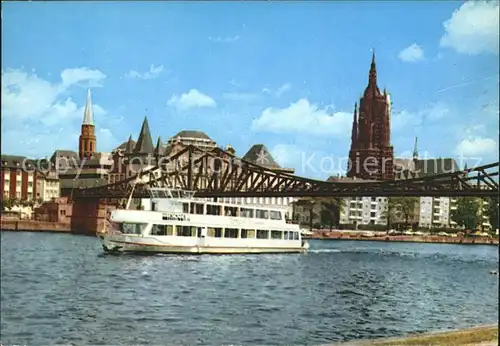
column 177, row 222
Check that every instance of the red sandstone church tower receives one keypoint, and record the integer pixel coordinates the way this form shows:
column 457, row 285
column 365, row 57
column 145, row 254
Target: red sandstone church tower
column 87, row 142
column 372, row 155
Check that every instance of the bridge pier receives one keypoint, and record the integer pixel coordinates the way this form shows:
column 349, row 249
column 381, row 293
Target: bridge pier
column 89, row 215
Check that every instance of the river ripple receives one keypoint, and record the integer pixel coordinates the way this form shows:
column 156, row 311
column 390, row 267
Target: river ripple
column 60, row 289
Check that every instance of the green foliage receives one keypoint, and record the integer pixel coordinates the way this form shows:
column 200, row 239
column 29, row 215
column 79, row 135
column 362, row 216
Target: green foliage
column 491, row 210
column 8, row 203
column 347, row 226
column 404, row 207
column 377, row 228
column 466, row 213
column 330, row 211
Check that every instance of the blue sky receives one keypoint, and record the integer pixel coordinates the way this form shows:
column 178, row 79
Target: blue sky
column 285, row 74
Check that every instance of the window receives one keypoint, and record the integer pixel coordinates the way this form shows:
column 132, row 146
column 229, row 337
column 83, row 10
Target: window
column 213, row 209
column 131, row 228
column 247, row 233
column 296, row 235
column 185, row 208
column 197, row 208
column 262, row 214
column 230, row 211
column 372, row 214
column 230, row 233
column 186, row 231
column 276, row 234
column 262, row 234
column 245, row 212
column 218, row 232
column 275, row 215
column 162, row 230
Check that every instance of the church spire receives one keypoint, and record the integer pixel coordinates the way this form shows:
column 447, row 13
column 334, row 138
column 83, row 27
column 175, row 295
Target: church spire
column 158, row 149
column 144, row 143
column 415, row 149
column 88, row 114
column 373, row 70
column 130, row 146
column 354, row 135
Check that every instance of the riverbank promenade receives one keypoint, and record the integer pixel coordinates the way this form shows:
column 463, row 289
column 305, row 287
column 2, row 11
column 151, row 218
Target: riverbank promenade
column 480, row 336
column 382, row 236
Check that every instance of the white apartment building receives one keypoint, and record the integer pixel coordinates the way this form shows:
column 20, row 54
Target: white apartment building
column 364, row 211
column 47, row 186
column 436, row 212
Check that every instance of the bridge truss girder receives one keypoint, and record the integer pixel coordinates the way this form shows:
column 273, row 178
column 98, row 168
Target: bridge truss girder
column 218, row 173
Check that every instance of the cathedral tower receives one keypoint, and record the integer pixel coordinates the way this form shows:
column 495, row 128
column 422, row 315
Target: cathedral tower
column 371, row 155
column 87, row 142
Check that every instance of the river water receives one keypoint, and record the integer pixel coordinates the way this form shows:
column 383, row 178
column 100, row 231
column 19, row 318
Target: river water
column 61, row 289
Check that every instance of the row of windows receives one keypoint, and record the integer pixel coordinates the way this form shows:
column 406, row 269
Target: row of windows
column 211, row 209
column 215, row 232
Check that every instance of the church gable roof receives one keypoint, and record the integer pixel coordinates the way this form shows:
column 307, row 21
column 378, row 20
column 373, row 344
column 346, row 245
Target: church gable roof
column 259, row 155
column 144, row 143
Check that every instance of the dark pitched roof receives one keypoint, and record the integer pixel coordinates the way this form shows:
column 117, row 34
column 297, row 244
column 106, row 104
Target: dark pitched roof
column 65, row 158
column 123, row 146
column 259, row 155
column 159, row 149
column 13, row 161
column 144, row 143
column 192, row 134
column 424, row 168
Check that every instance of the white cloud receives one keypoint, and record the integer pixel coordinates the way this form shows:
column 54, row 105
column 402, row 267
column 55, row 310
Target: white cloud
column 154, row 71
column 477, row 147
column 91, row 78
column 473, row 28
column 303, row 117
column 286, row 155
column 412, row 53
column 226, row 39
column 404, row 120
column 278, row 92
column 38, row 116
column 191, row 99
column 435, row 112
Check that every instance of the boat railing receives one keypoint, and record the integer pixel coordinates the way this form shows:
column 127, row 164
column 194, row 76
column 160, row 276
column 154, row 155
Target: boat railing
column 166, row 192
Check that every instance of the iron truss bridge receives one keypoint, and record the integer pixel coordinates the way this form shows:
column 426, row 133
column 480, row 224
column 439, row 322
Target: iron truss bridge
column 217, row 173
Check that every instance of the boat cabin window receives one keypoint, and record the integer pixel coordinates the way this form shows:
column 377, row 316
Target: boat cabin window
column 276, row 234
column 213, row 209
column 275, row 215
column 186, row 231
column 230, row 211
column 261, row 214
column 231, row 233
column 131, row 228
column 185, row 208
column 247, row 233
column 262, row 234
column 214, row 232
column 246, row 212
column 162, row 230
column 296, row 235
column 196, row 208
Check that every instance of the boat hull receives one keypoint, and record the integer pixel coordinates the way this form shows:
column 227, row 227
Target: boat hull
column 124, row 244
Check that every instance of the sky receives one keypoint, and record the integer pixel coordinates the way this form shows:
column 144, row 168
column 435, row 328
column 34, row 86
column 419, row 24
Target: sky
column 284, row 74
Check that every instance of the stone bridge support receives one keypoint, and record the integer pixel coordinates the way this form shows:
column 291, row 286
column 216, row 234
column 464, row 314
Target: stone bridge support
column 90, row 214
